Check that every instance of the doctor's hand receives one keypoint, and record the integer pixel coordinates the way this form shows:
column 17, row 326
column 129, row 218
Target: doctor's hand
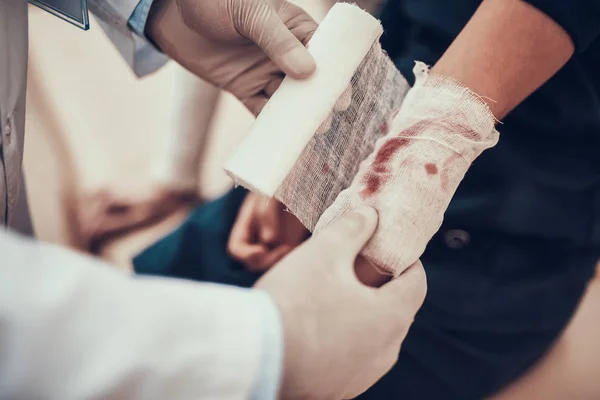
column 241, row 46
column 340, row 336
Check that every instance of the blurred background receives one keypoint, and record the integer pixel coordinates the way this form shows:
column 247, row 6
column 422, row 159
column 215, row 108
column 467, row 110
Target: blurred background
column 93, row 127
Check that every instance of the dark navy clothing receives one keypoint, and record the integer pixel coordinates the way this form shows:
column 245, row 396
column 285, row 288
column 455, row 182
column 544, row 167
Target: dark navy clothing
column 489, row 313
column 519, row 241
column 197, row 249
column 543, row 178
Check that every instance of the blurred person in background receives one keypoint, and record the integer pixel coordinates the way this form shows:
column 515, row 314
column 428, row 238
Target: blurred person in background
column 73, row 328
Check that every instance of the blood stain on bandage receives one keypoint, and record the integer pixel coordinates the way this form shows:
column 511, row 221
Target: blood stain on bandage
column 374, row 180
column 384, row 128
column 380, row 169
column 325, row 169
column 389, row 150
column 431, row 169
column 380, row 166
column 386, row 152
column 444, row 178
column 373, row 183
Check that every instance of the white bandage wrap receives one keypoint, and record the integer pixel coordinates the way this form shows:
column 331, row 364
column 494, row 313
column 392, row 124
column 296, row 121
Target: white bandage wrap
column 416, row 168
column 305, row 145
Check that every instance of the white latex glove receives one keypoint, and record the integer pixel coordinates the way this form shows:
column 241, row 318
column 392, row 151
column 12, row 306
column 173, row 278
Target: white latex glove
column 241, row 46
column 340, row 335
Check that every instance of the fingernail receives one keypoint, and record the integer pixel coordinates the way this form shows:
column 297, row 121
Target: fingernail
column 360, row 218
column 300, row 62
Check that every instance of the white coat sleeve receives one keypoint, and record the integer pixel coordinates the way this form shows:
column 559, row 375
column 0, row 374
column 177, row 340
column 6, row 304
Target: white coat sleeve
column 72, row 327
column 113, row 16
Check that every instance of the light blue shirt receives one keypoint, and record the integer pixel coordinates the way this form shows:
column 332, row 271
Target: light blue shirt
column 267, row 384
column 137, row 21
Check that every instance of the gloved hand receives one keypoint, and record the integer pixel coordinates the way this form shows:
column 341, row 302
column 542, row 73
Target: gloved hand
column 263, row 233
column 340, row 336
column 241, row 46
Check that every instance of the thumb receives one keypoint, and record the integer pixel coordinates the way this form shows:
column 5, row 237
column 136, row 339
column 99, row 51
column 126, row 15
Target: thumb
column 265, row 27
column 407, row 290
column 347, row 236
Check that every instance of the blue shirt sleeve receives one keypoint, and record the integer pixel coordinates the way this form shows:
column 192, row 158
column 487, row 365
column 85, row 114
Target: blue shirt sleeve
column 137, row 21
column 113, row 16
column 269, row 374
column 580, row 18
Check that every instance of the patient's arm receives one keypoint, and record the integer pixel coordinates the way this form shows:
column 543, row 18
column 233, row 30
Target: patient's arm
column 506, row 51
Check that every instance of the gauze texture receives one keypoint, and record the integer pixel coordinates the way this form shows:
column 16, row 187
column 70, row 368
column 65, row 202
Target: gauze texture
column 330, row 160
column 295, row 111
column 307, row 143
column 416, row 168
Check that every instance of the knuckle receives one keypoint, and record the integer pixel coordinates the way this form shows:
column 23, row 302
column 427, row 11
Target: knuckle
column 352, row 223
column 249, row 16
column 332, row 241
column 326, row 256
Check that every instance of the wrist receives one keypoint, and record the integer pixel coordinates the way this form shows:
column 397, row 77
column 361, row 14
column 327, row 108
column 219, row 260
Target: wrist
column 477, row 80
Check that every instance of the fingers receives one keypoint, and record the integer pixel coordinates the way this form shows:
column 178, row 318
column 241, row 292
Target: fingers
column 272, row 86
column 270, row 227
column 266, row 28
column 295, row 232
column 242, row 244
column 258, row 258
column 408, row 290
column 349, row 234
column 255, row 104
column 272, row 257
column 253, row 257
column 255, row 236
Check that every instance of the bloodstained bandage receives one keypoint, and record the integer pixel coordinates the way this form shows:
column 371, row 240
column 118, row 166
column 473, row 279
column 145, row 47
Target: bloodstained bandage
column 416, row 168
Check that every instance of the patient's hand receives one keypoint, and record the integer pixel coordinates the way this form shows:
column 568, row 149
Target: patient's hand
column 264, row 233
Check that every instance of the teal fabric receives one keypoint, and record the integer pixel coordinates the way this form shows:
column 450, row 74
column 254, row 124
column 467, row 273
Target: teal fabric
column 197, row 249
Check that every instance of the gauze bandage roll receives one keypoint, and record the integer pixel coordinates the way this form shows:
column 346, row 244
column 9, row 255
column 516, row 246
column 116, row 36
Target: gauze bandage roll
column 416, row 168
column 307, row 143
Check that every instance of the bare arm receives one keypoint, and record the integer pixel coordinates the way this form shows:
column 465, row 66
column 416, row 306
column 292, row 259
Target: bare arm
column 507, row 50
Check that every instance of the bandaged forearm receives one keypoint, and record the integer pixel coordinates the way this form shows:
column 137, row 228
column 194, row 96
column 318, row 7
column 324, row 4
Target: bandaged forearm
column 441, row 128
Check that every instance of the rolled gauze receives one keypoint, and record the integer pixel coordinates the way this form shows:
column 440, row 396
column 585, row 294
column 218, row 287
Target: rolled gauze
column 307, row 143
